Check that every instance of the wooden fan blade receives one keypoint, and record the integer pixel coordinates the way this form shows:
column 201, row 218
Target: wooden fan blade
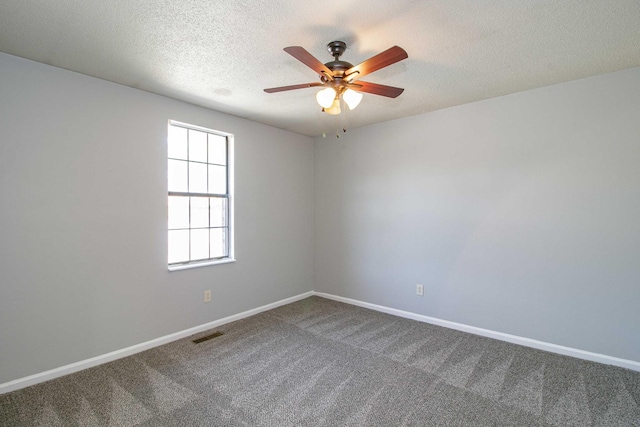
column 381, row 60
column 292, row 87
column 309, row 60
column 376, row 89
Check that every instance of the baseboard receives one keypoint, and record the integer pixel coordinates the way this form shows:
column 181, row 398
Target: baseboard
column 118, row 354
column 527, row 342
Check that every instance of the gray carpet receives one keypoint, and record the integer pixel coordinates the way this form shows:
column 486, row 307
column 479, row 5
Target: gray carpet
column 318, row 362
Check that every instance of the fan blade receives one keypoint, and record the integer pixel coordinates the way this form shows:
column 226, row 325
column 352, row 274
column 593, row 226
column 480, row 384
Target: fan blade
column 381, row 60
column 376, row 89
column 309, row 60
column 292, row 87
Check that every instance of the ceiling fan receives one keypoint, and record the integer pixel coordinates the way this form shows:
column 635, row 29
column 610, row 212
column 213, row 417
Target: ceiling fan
column 340, row 79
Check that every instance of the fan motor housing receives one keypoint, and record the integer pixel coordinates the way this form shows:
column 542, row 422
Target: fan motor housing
column 338, row 66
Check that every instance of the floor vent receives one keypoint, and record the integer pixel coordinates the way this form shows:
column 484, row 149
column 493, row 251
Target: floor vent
column 208, row 337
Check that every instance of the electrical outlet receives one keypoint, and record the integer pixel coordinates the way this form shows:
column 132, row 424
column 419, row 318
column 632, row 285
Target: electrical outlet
column 419, row 290
column 207, row 296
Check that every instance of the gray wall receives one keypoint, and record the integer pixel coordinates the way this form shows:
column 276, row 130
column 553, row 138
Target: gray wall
column 519, row 214
column 83, row 247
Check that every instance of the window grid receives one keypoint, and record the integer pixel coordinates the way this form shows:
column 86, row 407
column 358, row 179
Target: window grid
column 209, row 195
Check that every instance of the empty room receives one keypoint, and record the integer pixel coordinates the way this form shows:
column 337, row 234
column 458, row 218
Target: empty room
column 251, row 213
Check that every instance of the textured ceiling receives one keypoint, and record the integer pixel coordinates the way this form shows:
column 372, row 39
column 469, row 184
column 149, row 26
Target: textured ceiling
column 221, row 54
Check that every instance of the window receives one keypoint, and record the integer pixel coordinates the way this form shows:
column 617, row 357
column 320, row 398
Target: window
column 200, row 196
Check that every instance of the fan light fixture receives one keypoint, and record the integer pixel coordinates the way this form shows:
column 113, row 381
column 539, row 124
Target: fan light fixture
column 334, row 109
column 325, row 97
column 329, row 100
column 352, row 98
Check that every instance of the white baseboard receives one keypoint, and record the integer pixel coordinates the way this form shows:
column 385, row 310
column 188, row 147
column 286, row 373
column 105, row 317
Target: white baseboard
column 527, row 342
column 118, row 354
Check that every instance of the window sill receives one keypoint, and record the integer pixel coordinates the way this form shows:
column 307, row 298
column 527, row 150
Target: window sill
column 200, row 264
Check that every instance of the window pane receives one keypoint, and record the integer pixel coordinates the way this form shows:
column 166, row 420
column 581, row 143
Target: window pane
column 217, row 179
column 178, row 246
column 197, row 146
column 177, row 143
column 178, row 212
column 217, row 149
column 197, row 178
column 199, row 212
column 218, row 242
column 199, row 244
column 218, row 212
column 178, row 175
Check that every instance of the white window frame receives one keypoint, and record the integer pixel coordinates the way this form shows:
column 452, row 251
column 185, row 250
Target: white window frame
column 229, row 196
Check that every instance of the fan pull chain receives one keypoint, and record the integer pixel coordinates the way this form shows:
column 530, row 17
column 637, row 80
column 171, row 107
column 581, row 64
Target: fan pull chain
column 341, row 120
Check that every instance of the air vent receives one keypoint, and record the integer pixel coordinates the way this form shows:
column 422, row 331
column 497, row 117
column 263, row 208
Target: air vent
column 208, row 337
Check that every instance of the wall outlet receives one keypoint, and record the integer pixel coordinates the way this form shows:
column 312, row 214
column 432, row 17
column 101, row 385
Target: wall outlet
column 207, row 296
column 419, row 290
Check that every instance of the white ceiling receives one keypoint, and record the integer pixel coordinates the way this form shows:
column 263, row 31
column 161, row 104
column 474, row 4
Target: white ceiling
column 221, row 54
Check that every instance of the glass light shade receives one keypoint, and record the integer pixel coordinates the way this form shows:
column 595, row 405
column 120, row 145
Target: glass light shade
column 334, row 110
column 325, row 97
column 352, row 98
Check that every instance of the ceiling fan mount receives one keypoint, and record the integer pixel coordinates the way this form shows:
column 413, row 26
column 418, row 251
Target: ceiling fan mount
column 336, row 48
column 341, row 76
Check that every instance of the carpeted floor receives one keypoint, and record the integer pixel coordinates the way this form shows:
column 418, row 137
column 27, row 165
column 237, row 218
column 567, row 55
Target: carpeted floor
column 317, row 362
